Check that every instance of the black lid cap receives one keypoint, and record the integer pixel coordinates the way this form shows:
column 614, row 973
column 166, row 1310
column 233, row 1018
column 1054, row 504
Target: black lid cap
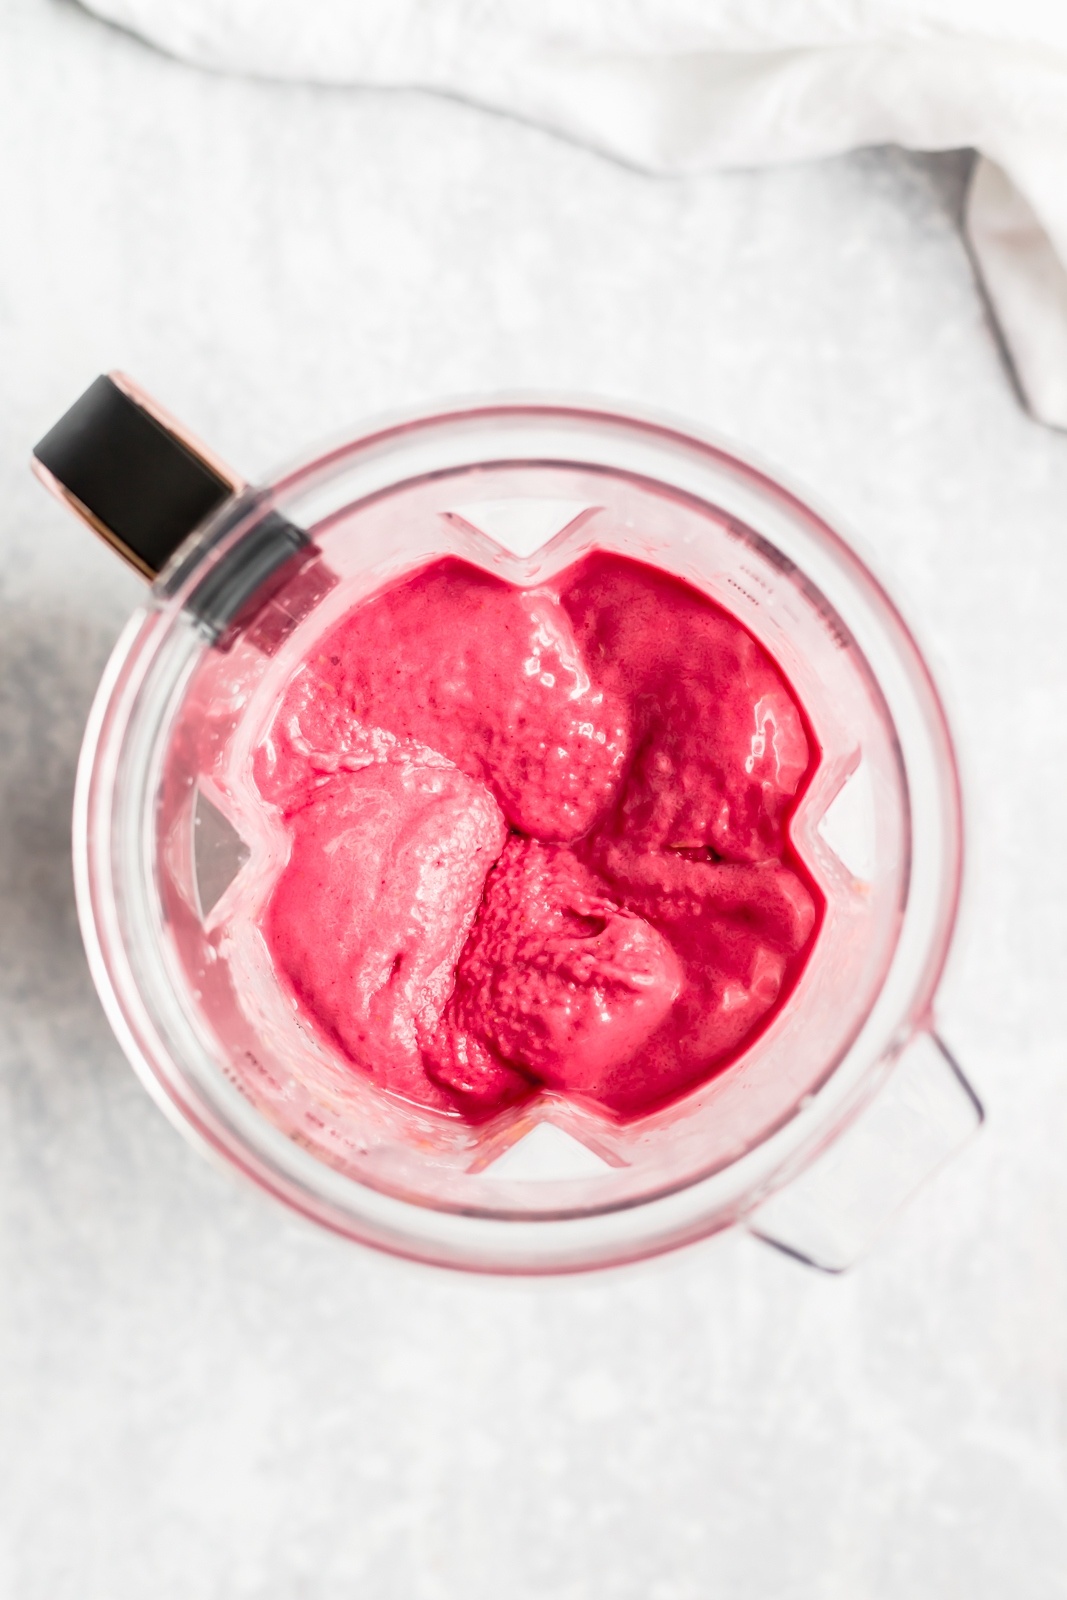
column 145, row 485
column 139, row 485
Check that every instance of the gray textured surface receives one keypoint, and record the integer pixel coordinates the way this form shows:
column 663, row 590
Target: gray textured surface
column 202, row 1397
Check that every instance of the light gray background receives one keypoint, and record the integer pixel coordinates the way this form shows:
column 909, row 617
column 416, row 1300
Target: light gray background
column 202, row 1397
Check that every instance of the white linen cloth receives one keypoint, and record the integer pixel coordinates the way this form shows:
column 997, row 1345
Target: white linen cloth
column 677, row 85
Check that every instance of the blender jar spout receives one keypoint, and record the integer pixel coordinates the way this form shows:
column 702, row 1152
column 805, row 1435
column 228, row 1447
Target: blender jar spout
column 145, row 484
column 134, row 474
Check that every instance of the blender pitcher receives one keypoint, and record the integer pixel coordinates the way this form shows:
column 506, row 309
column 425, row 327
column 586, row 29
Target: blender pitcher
column 830, row 1118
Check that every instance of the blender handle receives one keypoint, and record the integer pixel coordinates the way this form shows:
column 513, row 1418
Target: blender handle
column 920, row 1115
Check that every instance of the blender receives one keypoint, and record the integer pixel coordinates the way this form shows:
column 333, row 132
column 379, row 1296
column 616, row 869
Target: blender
column 830, row 1119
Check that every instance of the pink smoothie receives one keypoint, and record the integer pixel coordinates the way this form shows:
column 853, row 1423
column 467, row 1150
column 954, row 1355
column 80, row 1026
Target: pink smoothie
column 539, row 838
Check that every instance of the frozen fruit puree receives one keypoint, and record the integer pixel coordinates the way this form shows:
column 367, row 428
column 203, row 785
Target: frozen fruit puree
column 538, row 837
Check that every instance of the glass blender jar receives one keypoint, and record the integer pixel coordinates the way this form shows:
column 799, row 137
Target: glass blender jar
column 831, row 1117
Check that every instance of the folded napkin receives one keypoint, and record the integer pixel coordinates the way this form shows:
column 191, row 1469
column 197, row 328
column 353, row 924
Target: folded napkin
column 680, row 85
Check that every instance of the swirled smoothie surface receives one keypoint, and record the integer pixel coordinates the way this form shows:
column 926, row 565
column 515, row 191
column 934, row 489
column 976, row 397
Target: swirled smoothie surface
column 538, row 837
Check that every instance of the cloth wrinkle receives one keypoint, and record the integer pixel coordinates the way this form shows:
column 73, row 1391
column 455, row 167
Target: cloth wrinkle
column 677, row 86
